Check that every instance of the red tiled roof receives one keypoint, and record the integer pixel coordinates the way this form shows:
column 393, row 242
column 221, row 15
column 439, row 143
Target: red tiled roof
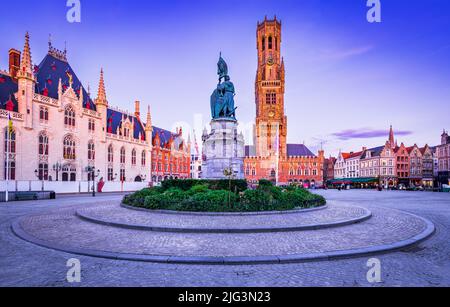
column 355, row 155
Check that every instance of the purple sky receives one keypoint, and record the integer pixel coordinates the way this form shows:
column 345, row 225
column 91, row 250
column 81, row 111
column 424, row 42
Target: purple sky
column 346, row 80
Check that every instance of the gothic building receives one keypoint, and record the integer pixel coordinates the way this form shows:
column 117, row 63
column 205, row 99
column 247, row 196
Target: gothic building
column 60, row 132
column 271, row 157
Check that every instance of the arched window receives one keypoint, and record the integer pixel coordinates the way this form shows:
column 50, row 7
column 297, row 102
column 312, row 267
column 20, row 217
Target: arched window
column 91, row 150
column 91, row 126
column 276, row 43
column 69, row 116
column 263, row 43
column 143, row 158
column 43, row 171
column 133, row 157
column 110, row 154
column 122, row 155
column 10, row 142
column 111, row 174
column 69, row 148
column 43, row 114
column 10, row 147
column 43, row 144
column 69, row 173
column 270, row 42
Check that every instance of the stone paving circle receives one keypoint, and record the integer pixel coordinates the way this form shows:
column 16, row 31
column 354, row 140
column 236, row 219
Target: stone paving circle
column 112, row 231
column 164, row 221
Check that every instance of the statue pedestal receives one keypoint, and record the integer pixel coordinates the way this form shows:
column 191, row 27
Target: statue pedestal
column 223, row 148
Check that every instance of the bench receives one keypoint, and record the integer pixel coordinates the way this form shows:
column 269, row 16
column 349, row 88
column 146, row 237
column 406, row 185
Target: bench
column 26, row 196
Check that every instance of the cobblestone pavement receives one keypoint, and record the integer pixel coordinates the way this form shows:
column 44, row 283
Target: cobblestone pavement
column 385, row 227
column 25, row 264
column 115, row 213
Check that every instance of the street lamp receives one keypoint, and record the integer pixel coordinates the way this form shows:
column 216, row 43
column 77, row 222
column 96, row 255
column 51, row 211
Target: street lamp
column 228, row 172
column 57, row 168
column 36, row 173
column 91, row 170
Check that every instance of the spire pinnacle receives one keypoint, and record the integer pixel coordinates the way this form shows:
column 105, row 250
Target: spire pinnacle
column 101, row 95
column 25, row 64
column 148, row 124
column 391, row 137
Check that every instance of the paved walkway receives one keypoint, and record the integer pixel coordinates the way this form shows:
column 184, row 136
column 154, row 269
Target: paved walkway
column 22, row 263
column 115, row 214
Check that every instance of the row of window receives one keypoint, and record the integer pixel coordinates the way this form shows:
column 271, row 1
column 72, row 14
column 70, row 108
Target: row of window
column 69, row 118
column 270, row 43
column 123, row 156
column 172, row 168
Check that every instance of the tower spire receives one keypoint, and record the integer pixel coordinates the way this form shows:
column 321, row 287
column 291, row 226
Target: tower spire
column 391, row 137
column 148, row 124
column 25, row 64
column 101, row 95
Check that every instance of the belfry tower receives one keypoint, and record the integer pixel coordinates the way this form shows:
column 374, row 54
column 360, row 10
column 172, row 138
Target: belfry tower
column 271, row 123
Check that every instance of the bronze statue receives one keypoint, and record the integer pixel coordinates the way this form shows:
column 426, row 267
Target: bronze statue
column 222, row 99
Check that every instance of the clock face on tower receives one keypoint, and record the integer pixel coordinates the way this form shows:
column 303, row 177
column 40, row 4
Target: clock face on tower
column 270, row 60
column 271, row 114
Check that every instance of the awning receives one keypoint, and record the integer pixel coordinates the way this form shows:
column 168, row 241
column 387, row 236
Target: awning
column 348, row 181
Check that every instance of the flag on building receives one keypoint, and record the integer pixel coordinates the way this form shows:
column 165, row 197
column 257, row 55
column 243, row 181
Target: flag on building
column 10, row 124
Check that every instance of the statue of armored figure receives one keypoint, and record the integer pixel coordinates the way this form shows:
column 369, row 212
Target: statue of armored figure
column 222, row 99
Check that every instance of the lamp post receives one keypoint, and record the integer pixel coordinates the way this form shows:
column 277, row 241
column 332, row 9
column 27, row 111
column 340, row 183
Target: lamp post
column 228, row 172
column 57, row 168
column 41, row 178
column 91, row 170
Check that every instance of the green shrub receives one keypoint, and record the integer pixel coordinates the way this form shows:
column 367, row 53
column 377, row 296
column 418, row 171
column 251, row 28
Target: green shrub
column 165, row 200
column 185, row 185
column 265, row 183
column 216, row 201
column 198, row 189
column 138, row 199
column 207, row 196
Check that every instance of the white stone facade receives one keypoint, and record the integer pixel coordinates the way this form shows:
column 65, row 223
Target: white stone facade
column 223, row 149
column 56, row 139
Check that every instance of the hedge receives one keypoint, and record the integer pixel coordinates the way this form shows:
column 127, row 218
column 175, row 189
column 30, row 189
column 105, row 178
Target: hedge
column 206, row 196
column 185, row 185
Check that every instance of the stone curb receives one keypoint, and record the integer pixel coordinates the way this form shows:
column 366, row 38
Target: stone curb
column 244, row 260
column 104, row 222
column 224, row 213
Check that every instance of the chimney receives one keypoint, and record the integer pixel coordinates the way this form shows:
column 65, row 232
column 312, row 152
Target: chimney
column 137, row 109
column 14, row 62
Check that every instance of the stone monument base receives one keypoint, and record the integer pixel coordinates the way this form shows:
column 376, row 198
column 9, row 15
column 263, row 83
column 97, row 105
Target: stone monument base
column 223, row 149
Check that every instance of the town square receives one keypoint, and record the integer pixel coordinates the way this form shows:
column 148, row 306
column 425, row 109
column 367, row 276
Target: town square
column 328, row 167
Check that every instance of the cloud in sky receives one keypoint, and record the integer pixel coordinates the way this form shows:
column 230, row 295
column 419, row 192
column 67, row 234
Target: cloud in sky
column 366, row 133
column 347, row 53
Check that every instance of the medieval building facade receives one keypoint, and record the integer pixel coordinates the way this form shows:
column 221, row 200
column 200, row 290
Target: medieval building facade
column 271, row 157
column 443, row 159
column 59, row 133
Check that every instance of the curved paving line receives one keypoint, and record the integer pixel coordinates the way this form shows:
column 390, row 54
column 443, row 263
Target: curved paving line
column 104, row 222
column 243, row 260
column 224, row 213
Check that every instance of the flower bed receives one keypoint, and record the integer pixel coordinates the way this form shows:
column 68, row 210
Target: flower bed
column 213, row 196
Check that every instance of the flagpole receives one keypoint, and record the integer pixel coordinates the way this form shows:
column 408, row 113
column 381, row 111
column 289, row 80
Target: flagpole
column 8, row 144
column 277, row 154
